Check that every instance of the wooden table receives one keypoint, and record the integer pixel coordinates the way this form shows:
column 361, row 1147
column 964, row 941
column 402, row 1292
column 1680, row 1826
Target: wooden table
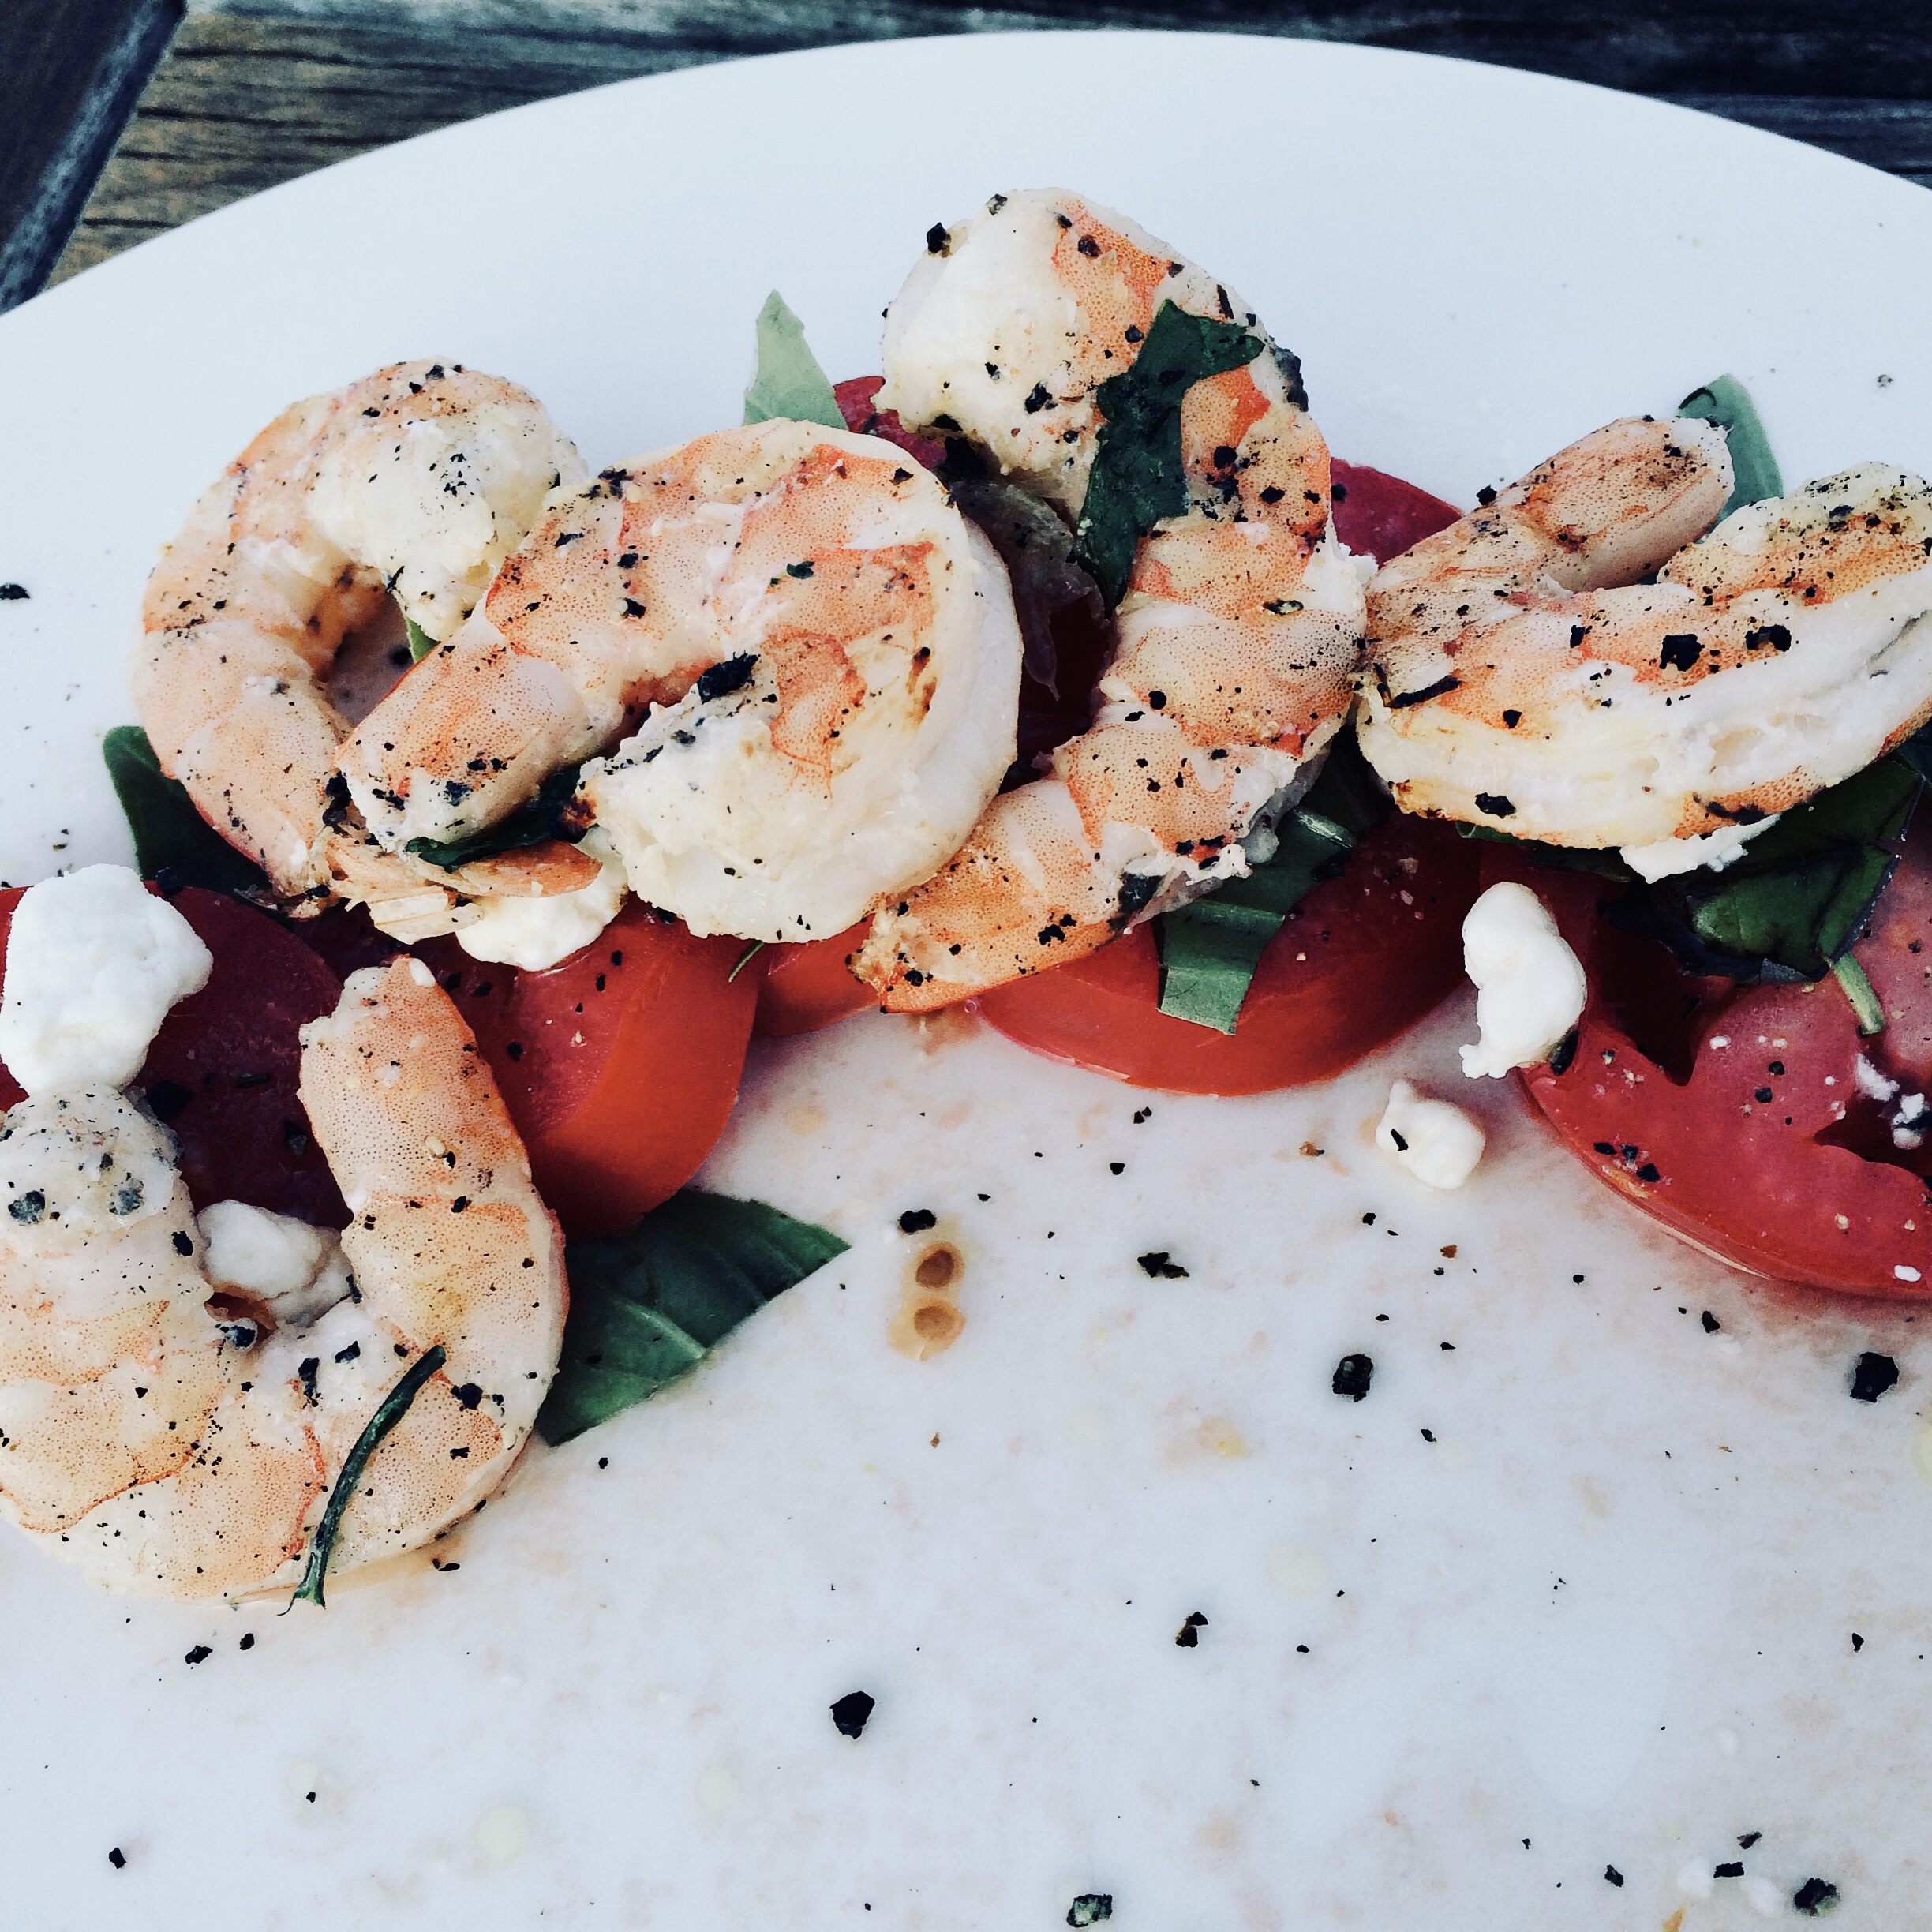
column 241, row 99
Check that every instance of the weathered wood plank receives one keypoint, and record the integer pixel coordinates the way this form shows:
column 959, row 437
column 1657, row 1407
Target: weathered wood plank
column 1771, row 46
column 242, row 102
column 70, row 72
column 1893, row 135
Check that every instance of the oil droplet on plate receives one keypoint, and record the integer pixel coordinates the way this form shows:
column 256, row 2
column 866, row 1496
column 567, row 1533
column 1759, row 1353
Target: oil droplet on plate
column 1922, row 1452
column 717, row 1788
column 1300, row 1572
column 503, row 1832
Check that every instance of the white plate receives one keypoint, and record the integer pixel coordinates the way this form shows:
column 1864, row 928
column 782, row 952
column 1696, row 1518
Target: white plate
column 1605, row 1619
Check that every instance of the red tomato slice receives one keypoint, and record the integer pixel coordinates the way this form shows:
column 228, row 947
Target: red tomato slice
column 808, row 987
column 1379, row 516
column 223, row 1069
column 620, row 1065
column 1766, row 1151
column 854, row 397
column 1362, row 959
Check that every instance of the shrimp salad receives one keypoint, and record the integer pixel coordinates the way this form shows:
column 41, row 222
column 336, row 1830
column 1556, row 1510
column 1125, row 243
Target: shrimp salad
column 1055, row 671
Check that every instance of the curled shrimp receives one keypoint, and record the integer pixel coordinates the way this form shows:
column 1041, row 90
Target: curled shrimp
column 176, row 1436
column 1237, row 640
column 413, row 483
column 814, row 653
column 1524, row 678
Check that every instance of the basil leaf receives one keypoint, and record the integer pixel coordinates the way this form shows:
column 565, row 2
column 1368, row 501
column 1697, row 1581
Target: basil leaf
column 1803, row 891
column 1603, row 861
column 1209, row 948
column 787, row 381
column 389, row 1412
column 1865, row 1006
column 1754, row 469
column 647, row 1306
column 1917, row 751
column 1138, row 476
column 420, row 642
column 542, row 818
column 170, row 835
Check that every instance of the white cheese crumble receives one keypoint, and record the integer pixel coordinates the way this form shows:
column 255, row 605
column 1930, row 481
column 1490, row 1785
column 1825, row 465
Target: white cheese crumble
column 1713, row 851
column 537, row 932
column 1530, row 985
column 1909, row 1120
column 1437, row 1142
column 93, row 963
column 296, row 1269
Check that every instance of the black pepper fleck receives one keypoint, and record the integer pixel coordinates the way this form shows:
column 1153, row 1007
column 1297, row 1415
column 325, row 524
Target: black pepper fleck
column 850, row 1713
column 1815, row 1896
column 1873, row 1375
column 1352, row 1376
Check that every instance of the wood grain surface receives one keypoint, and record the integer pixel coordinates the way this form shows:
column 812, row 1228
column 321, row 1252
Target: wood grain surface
column 70, row 73
column 244, row 99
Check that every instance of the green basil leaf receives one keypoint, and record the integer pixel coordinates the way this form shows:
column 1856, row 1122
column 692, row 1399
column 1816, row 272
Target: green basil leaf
column 170, row 835
column 529, row 825
column 787, row 381
column 1209, row 948
column 647, row 1306
column 1605, row 861
column 420, row 642
column 1138, row 476
column 1803, row 890
column 1754, row 469
column 1917, row 751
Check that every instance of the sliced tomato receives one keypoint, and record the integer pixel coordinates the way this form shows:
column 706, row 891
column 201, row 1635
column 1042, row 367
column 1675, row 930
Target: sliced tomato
column 620, row 1065
column 1380, row 515
column 223, row 1072
column 808, row 987
column 1362, row 959
column 854, row 397
column 1739, row 1116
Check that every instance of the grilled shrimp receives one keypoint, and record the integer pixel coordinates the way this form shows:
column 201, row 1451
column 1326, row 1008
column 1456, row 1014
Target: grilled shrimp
column 1523, row 677
column 1238, row 639
column 177, row 1399
column 815, row 654
column 414, row 482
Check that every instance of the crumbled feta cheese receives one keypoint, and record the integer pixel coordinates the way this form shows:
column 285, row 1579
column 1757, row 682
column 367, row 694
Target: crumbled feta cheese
column 1909, row 1120
column 296, row 1269
column 537, row 932
column 1438, row 1143
column 1530, row 985
column 1713, row 850
column 94, row 962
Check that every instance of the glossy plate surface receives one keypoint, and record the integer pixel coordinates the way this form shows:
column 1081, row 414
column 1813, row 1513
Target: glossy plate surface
column 1578, row 1592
